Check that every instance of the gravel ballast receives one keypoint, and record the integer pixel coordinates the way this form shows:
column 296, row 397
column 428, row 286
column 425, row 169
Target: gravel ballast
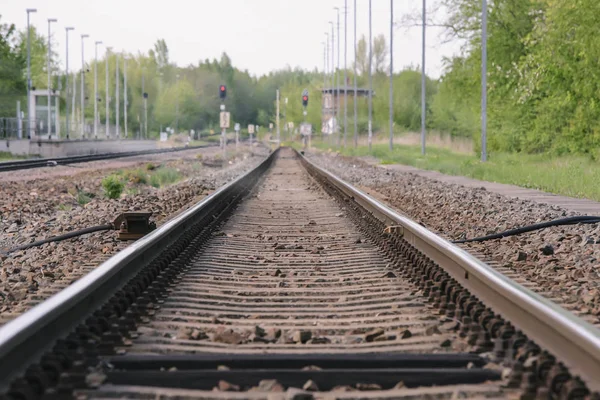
column 559, row 262
column 47, row 205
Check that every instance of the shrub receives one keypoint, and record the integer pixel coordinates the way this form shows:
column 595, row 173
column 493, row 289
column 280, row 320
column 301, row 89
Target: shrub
column 113, row 186
column 150, row 167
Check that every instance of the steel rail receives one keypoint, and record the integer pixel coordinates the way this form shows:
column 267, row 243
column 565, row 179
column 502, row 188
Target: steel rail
column 45, row 162
column 572, row 340
column 24, row 339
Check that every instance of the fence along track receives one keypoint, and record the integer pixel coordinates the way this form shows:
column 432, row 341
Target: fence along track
column 366, row 322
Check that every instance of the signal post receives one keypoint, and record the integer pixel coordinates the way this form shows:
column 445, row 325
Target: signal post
column 224, row 117
column 305, row 128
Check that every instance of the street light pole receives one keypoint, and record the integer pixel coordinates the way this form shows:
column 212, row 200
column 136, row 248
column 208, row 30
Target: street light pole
column 324, row 64
column 125, row 95
column 50, row 21
column 334, row 120
column 326, row 69
column 423, row 82
column 391, row 74
column 96, row 90
column 83, row 87
column 177, row 109
column 337, row 76
column 355, row 85
column 484, row 81
column 370, row 122
column 107, row 96
column 345, row 72
column 117, row 133
column 67, row 29
column 29, row 112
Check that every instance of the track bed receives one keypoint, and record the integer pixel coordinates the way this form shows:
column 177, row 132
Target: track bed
column 290, row 280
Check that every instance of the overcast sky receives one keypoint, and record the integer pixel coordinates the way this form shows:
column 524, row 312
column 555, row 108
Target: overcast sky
column 258, row 35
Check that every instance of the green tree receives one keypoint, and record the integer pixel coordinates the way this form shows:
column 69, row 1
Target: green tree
column 13, row 84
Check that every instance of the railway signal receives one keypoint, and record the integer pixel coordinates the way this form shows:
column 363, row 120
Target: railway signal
column 305, row 100
column 222, row 92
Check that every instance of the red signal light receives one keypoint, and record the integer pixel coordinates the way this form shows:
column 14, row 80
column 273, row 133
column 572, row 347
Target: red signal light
column 305, row 98
column 222, row 88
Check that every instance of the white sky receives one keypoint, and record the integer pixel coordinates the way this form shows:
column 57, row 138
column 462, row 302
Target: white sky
column 258, row 35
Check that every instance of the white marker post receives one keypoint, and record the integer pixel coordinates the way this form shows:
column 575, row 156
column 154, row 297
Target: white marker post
column 224, row 122
column 236, row 127
column 251, row 132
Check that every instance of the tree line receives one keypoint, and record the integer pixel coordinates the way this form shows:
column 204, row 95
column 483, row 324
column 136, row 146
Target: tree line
column 543, row 86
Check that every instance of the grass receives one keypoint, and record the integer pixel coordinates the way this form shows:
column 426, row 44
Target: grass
column 574, row 176
column 7, row 156
column 164, row 176
column 83, row 197
column 113, row 186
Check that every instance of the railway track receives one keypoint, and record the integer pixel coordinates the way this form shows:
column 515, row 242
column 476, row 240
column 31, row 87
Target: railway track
column 50, row 162
column 289, row 283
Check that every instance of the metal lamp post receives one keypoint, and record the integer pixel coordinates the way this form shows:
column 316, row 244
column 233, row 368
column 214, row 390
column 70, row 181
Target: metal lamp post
column 355, row 85
column 177, row 108
column 423, row 82
column 117, row 133
column 107, row 96
column 337, row 76
column 96, row 89
column 370, row 122
column 29, row 124
column 334, row 121
column 391, row 74
column 83, row 86
column 125, row 95
column 67, row 29
column 50, row 21
column 484, row 81
column 345, row 72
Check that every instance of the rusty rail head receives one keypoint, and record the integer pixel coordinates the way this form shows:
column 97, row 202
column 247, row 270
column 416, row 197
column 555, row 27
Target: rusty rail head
column 572, row 340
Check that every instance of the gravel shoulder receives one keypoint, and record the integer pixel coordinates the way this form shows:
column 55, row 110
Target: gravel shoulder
column 560, row 262
column 46, row 202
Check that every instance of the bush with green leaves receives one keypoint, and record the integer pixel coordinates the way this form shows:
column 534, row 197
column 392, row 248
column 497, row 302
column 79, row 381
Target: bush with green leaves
column 113, row 186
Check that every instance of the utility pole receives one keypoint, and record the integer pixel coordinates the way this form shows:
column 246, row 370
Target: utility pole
column 324, row 64
column 145, row 96
column 177, row 106
column 74, row 114
column 391, row 74
column 278, row 137
column 337, row 75
column 117, row 133
column 370, row 80
column 286, row 128
column 67, row 29
column 125, row 94
column 83, row 87
column 484, row 81
column 96, row 89
column 334, row 120
column 50, row 21
column 423, row 83
column 345, row 72
column 30, row 120
column 107, row 96
column 326, row 104
column 355, row 85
